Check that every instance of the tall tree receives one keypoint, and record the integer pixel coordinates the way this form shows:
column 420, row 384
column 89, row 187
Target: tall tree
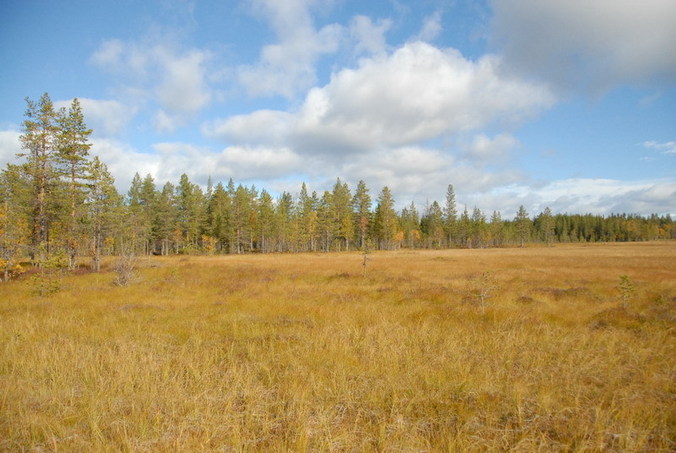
column 164, row 221
column 450, row 215
column 479, row 229
column 191, row 212
column 72, row 141
column 266, row 222
column 325, row 225
column 343, row 214
column 38, row 140
column 140, row 213
column 361, row 204
column 386, row 222
column 103, row 205
column 464, row 230
column 284, row 219
column 411, row 226
column 307, row 219
column 232, row 216
column 217, row 216
column 432, row 225
column 546, row 226
column 497, row 229
column 523, row 225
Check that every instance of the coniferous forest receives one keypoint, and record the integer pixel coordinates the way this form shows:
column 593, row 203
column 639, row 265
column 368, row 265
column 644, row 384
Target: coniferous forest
column 60, row 203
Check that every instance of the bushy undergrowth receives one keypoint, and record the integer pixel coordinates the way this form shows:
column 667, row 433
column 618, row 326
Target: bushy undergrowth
column 308, row 353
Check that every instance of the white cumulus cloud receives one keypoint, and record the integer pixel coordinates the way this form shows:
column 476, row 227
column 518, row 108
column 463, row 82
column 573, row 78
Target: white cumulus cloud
column 154, row 70
column 599, row 196
column 431, row 27
column 419, row 93
column 369, row 37
column 10, row 146
column 287, row 67
column 105, row 116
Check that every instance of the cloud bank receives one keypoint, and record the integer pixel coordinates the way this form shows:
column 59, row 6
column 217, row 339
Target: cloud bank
column 589, row 46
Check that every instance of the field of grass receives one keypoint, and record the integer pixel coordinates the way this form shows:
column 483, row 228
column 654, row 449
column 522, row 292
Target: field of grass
column 460, row 350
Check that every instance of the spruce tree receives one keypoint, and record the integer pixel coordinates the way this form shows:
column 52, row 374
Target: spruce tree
column 450, row 215
column 479, row 231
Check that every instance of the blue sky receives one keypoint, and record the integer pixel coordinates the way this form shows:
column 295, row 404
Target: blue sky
column 569, row 104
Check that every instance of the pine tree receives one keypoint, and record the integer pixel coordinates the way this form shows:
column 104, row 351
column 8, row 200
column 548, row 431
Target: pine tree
column 464, row 233
column 497, row 229
column 148, row 200
column 307, row 219
column 479, row 231
column 164, row 221
column 361, row 204
column 140, row 201
column 522, row 224
column 14, row 223
column 432, row 225
column 283, row 221
column 546, row 224
column 343, row 214
column 217, row 216
column 191, row 213
column 72, row 141
column 231, row 217
column 252, row 218
column 38, row 139
column 411, row 225
column 103, row 207
column 266, row 222
column 386, row 222
column 325, row 223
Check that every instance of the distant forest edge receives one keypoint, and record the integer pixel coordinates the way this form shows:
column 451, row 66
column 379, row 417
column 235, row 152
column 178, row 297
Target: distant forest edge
column 59, row 203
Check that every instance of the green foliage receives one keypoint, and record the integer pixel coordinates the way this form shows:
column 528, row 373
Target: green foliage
column 60, row 198
column 386, row 221
column 48, row 280
column 523, row 225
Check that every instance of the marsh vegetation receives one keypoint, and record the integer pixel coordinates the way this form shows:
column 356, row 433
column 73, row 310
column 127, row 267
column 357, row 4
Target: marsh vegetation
column 533, row 349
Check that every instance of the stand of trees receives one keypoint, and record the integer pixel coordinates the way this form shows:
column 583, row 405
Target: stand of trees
column 61, row 202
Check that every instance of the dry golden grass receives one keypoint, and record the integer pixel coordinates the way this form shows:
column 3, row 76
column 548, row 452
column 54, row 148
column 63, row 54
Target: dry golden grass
column 306, row 353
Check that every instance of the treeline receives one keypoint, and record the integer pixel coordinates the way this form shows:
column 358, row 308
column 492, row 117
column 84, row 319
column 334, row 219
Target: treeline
column 60, row 203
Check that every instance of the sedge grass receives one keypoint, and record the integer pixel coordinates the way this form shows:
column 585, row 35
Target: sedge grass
column 308, row 353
